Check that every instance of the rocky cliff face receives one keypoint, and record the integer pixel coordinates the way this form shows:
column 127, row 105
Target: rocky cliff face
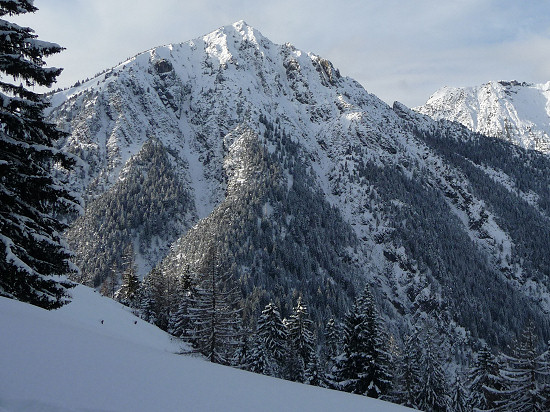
column 513, row 111
column 309, row 184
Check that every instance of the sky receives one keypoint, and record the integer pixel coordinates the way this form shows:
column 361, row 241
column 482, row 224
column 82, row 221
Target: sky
column 397, row 49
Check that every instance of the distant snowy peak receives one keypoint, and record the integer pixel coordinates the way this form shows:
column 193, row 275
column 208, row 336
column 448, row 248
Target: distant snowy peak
column 515, row 111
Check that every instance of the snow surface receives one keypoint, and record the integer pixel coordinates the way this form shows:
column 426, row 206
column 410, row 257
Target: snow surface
column 518, row 112
column 68, row 360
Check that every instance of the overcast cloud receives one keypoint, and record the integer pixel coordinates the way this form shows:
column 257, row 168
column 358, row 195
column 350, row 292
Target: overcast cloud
column 397, row 49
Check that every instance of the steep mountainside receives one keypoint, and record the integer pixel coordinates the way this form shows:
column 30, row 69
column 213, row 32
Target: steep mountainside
column 513, row 111
column 310, row 185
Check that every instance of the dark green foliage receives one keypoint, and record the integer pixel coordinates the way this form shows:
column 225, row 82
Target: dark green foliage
column 273, row 334
column 433, row 391
column 148, row 204
column 330, row 350
column 406, row 378
column 302, row 343
column 363, row 367
column 127, row 294
column 244, row 355
column 484, row 380
column 432, row 234
column 260, row 361
column 32, row 253
column 180, row 322
column 156, row 298
column 525, row 377
column 459, row 398
column 277, row 236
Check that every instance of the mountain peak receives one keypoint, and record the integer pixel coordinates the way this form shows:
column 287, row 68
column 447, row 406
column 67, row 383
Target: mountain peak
column 512, row 110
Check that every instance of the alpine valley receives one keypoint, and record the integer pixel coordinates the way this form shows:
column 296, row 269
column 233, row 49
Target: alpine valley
column 309, row 186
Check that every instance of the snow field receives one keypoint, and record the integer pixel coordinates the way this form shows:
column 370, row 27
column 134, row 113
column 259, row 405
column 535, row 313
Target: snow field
column 69, row 360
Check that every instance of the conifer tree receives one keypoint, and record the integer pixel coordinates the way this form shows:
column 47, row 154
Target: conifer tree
column 354, row 360
column 127, row 293
column 406, row 381
column 330, row 352
column 260, row 361
column 179, row 324
column 459, row 398
column 525, row 376
column 313, row 374
column 378, row 374
column 273, row 333
column 484, row 381
column 154, row 298
column 33, row 257
column 214, row 312
column 332, row 339
column 363, row 367
column 433, row 388
column 243, row 356
column 301, row 337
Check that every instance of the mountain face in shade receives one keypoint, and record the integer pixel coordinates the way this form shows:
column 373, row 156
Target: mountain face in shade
column 308, row 185
column 513, row 111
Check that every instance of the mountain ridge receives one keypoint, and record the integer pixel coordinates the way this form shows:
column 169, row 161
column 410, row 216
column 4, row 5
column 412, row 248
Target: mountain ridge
column 518, row 112
column 405, row 200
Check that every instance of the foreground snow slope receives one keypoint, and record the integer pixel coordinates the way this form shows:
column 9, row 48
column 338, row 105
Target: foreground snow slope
column 68, row 360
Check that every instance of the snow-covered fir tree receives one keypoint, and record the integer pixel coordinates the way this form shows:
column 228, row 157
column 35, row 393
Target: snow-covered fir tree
column 406, row 378
column 302, row 341
column 243, row 356
column 459, row 397
column 363, row 366
column 314, row 374
column 180, row 323
column 525, row 376
column 273, row 333
column 260, row 361
column 33, row 256
column 214, row 311
column 127, row 294
column 484, row 380
column 330, row 350
column 155, row 298
column 433, row 394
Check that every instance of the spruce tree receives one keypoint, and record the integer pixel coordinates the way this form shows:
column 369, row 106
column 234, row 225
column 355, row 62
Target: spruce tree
column 525, row 376
column 378, row 374
column 484, row 381
column 33, row 257
column 154, row 298
column 406, row 381
column 459, row 398
column 179, row 324
column 243, row 356
column 433, row 393
column 260, row 361
column 127, row 293
column 330, row 352
column 363, row 367
column 273, row 333
column 301, row 337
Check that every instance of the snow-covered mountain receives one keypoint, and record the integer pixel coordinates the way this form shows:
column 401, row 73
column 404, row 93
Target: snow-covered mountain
column 513, row 111
column 94, row 355
column 311, row 186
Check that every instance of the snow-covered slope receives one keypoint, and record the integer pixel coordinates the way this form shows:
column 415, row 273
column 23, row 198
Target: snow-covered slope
column 93, row 355
column 517, row 112
column 310, row 184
